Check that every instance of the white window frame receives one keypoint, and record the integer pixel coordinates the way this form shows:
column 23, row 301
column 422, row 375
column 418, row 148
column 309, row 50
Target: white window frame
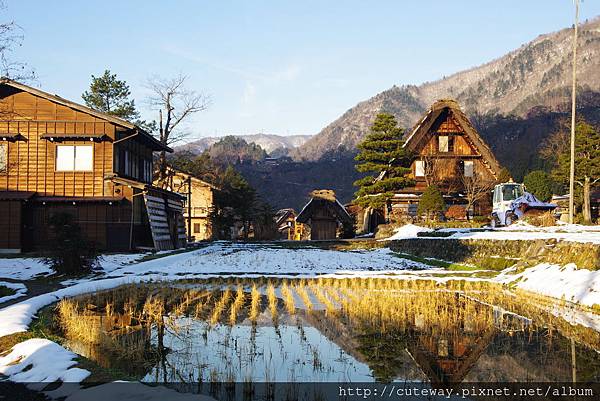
column 470, row 170
column 443, row 143
column 420, row 168
column 3, row 157
column 72, row 166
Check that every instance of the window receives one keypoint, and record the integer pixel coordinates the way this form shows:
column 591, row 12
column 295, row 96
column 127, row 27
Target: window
column 196, row 227
column 3, row 158
column 419, row 168
column 469, row 168
column 74, row 158
column 445, row 144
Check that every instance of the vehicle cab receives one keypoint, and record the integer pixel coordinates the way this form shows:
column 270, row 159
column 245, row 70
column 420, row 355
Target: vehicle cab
column 504, row 195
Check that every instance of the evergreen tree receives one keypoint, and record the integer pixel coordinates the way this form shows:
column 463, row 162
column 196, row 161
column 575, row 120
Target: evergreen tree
column 504, row 175
column 381, row 153
column 431, row 203
column 110, row 95
column 235, row 201
column 540, row 184
column 587, row 164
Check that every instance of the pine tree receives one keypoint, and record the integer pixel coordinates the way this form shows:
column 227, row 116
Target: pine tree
column 110, row 95
column 431, row 203
column 540, row 184
column 587, row 164
column 381, row 153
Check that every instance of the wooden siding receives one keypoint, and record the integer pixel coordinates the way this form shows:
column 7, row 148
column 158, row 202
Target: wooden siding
column 31, row 162
column 10, row 225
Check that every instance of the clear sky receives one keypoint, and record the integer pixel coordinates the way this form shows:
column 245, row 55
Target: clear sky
column 287, row 67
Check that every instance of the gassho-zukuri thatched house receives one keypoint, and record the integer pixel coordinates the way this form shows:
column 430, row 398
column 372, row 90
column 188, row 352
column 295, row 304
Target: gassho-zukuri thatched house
column 450, row 153
column 326, row 216
column 57, row 156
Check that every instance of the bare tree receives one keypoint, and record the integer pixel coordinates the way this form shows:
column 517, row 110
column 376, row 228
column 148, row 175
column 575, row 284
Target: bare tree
column 175, row 103
column 431, row 168
column 11, row 37
column 475, row 188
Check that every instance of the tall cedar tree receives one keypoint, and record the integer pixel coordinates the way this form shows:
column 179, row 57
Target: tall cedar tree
column 587, row 164
column 111, row 95
column 381, row 153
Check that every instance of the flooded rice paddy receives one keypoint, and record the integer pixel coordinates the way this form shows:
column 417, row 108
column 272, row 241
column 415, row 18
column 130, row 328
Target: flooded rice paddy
column 326, row 330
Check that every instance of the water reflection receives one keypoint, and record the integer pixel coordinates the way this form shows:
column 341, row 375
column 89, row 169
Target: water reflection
column 360, row 330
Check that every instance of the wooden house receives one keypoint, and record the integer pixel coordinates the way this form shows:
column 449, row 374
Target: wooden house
column 449, row 153
column 199, row 202
column 287, row 226
column 326, row 216
column 57, row 156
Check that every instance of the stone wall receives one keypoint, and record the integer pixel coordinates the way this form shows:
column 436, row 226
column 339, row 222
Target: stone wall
column 494, row 254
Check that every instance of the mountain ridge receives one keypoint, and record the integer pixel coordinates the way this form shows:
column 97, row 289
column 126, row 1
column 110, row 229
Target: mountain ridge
column 533, row 75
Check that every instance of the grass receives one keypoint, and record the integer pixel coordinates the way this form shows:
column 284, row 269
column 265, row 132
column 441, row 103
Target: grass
column 437, row 263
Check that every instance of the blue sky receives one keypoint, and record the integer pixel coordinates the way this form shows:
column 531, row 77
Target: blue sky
column 287, row 67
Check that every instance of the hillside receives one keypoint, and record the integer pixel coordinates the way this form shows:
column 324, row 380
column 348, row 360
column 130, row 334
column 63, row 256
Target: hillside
column 536, row 74
column 269, row 142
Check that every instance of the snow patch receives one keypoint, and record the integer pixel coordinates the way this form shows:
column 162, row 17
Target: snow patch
column 41, row 361
column 408, row 231
column 20, row 290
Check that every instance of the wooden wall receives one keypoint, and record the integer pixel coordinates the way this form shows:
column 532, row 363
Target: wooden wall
column 31, row 163
column 10, row 225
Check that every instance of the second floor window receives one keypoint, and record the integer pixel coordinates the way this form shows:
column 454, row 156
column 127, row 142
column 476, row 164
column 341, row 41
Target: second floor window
column 3, row 158
column 445, row 144
column 74, row 158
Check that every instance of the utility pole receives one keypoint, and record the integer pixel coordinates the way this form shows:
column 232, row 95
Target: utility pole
column 573, row 95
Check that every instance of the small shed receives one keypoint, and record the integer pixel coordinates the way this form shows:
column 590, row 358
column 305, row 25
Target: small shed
column 325, row 214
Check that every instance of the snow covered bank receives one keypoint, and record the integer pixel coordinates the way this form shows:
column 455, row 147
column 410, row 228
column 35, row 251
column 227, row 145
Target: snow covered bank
column 517, row 231
column 562, row 282
column 408, row 231
column 38, row 361
column 20, row 290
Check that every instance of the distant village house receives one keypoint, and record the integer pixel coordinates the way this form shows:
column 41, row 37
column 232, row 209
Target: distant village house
column 57, row 156
column 199, row 202
column 326, row 217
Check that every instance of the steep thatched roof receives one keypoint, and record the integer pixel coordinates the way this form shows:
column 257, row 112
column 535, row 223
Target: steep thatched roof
column 324, row 198
column 419, row 135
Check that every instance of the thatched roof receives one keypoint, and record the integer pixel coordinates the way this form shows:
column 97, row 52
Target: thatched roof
column 419, row 135
column 324, row 198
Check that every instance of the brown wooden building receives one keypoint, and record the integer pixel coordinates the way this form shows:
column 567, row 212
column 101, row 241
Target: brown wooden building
column 326, row 216
column 450, row 154
column 60, row 156
column 199, row 202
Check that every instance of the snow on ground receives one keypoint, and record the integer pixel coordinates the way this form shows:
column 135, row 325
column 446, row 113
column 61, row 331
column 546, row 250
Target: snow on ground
column 563, row 282
column 517, row 231
column 215, row 259
column 23, row 268
column 20, row 290
column 38, row 361
column 408, row 231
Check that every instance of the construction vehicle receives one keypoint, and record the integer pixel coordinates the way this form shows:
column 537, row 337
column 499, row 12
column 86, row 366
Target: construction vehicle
column 512, row 202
